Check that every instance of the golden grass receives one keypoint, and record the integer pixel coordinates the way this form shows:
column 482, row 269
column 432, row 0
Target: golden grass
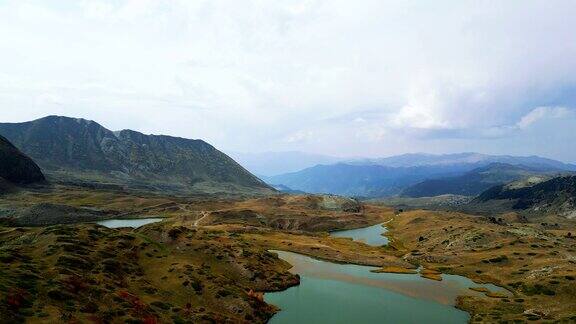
column 395, row 270
column 525, row 258
column 431, row 274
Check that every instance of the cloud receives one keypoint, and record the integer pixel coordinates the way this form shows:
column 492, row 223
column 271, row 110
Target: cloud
column 540, row 113
column 365, row 77
column 300, row 136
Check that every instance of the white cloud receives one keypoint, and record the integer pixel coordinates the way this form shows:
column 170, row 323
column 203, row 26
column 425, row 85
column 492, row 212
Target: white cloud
column 300, row 136
column 375, row 77
column 540, row 113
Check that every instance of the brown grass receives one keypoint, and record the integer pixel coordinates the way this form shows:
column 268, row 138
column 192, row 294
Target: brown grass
column 395, row 270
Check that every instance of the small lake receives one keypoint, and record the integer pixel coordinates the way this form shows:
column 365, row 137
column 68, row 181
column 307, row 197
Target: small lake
column 346, row 293
column 134, row 223
column 371, row 235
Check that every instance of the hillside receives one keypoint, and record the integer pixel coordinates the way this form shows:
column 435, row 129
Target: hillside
column 15, row 167
column 79, row 151
column 556, row 195
column 474, row 182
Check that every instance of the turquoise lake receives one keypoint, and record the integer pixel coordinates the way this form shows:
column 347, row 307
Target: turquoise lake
column 134, row 223
column 371, row 235
column 347, row 293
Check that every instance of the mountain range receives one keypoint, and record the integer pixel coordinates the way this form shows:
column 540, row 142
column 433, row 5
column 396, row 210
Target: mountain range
column 466, row 158
column 83, row 151
column 360, row 180
column 476, row 181
column 79, row 151
column 268, row 164
column 397, row 175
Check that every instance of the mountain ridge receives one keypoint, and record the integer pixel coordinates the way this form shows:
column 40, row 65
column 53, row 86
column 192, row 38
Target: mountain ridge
column 475, row 181
column 359, row 180
column 269, row 164
column 82, row 150
column 556, row 195
column 419, row 159
column 372, row 180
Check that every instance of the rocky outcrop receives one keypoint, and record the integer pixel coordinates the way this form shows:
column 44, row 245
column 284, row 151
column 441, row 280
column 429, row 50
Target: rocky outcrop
column 15, row 167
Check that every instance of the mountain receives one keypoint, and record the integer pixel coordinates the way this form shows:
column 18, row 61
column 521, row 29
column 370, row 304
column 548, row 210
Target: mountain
column 15, row 167
column 478, row 159
column 273, row 163
column 285, row 189
column 78, row 150
column 360, row 180
column 556, row 195
column 475, row 181
column 390, row 176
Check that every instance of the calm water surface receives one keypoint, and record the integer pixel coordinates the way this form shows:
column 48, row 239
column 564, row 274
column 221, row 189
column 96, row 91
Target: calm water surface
column 371, row 235
column 346, row 293
column 134, row 223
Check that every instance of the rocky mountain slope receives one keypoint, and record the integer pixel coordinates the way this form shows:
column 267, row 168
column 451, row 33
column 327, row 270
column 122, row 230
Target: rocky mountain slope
column 557, row 195
column 15, row 167
column 474, row 182
column 78, row 150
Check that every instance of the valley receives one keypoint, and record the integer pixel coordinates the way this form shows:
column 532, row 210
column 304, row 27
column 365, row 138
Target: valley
column 227, row 248
column 287, row 162
column 211, row 260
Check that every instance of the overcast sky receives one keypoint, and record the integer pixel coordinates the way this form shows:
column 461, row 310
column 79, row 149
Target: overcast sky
column 345, row 78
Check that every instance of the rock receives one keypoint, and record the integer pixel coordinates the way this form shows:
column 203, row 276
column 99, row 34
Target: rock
column 17, row 168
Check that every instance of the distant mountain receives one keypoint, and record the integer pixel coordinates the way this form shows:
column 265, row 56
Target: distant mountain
column 390, row 176
column 556, row 195
column 285, row 189
column 15, row 167
column 474, row 182
column 79, row 150
column 273, row 163
column 361, row 180
column 421, row 159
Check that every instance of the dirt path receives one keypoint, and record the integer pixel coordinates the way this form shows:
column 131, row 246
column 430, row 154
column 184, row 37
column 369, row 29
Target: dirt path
column 204, row 215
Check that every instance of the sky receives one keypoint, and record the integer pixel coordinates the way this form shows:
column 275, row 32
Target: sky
column 337, row 77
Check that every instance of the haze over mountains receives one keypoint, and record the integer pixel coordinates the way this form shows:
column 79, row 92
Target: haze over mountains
column 467, row 158
column 83, row 151
column 274, row 163
column 393, row 175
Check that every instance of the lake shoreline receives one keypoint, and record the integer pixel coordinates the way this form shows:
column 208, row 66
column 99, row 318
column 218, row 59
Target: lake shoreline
column 453, row 301
column 346, row 280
